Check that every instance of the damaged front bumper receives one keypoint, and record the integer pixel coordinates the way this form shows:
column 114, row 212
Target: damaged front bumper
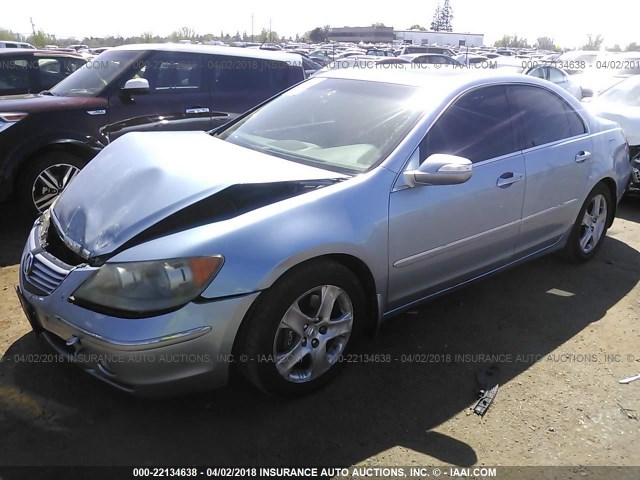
column 634, row 179
column 186, row 350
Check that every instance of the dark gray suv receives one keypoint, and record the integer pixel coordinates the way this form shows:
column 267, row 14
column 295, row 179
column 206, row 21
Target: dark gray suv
column 46, row 139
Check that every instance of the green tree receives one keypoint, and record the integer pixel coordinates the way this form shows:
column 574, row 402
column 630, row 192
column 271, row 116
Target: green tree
column 545, row 43
column 146, row 37
column 185, row 33
column 417, row 27
column 378, row 24
column 7, row 35
column 447, row 17
column 436, row 22
column 40, row 39
column 268, row 36
column 512, row 42
column 632, row 47
column 615, row 48
column 317, row 35
column 593, row 43
column 442, row 18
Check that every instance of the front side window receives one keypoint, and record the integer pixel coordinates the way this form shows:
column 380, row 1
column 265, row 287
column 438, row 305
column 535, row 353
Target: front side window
column 97, row 74
column 544, row 117
column 478, row 126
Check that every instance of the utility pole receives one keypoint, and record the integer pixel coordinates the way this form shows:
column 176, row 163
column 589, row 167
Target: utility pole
column 252, row 28
column 270, row 31
column 33, row 26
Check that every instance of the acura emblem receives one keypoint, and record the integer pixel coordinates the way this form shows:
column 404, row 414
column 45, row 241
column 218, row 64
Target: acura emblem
column 27, row 265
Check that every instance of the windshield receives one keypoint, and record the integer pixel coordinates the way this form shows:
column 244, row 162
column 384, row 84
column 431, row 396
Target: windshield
column 626, row 93
column 348, row 126
column 92, row 78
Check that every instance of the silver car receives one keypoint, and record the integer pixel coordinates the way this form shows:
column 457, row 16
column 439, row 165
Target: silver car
column 269, row 246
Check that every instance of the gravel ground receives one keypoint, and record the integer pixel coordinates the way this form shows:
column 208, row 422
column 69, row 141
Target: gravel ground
column 560, row 354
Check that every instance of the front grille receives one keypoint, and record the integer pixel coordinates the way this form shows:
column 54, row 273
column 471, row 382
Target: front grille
column 635, row 175
column 44, row 276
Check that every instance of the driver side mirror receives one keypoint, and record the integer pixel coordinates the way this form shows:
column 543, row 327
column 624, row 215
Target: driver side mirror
column 136, row 85
column 587, row 93
column 440, row 169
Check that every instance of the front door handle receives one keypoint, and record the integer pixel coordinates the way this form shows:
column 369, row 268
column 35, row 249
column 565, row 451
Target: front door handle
column 582, row 156
column 508, row 178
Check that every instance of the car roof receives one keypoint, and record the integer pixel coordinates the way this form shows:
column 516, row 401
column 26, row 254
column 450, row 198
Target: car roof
column 30, row 51
column 422, row 55
column 214, row 49
column 440, row 80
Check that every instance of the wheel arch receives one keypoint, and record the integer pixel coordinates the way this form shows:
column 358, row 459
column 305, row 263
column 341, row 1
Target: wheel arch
column 358, row 268
column 611, row 186
column 75, row 147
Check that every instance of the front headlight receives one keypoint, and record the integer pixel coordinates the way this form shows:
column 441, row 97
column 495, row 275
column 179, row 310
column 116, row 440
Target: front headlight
column 136, row 289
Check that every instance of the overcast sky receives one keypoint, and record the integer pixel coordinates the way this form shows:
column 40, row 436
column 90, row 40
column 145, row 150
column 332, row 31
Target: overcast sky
column 566, row 21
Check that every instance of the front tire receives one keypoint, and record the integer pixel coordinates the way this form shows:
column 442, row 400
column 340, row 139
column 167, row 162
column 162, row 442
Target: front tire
column 45, row 178
column 591, row 226
column 295, row 334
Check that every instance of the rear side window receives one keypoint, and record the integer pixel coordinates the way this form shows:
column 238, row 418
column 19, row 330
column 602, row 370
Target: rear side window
column 543, row 116
column 478, row 126
column 14, row 76
column 237, row 74
column 556, row 76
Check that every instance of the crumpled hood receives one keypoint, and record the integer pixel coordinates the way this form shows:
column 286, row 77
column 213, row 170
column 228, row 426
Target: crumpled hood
column 142, row 178
column 627, row 116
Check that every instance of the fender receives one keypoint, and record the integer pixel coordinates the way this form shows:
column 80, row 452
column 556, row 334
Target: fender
column 84, row 145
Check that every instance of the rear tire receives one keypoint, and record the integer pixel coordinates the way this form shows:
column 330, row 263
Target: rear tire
column 45, row 178
column 295, row 334
column 590, row 228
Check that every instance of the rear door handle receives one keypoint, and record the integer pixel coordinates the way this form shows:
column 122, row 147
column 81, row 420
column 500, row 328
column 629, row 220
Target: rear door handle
column 582, row 156
column 195, row 110
column 508, row 178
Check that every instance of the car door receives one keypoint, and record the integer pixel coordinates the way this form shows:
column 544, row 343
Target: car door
column 557, row 154
column 177, row 99
column 442, row 235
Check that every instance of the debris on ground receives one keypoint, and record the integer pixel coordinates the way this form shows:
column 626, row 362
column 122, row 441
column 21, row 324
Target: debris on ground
column 630, row 379
column 488, row 381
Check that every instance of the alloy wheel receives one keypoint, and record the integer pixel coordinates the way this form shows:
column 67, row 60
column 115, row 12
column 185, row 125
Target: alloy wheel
column 313, row 333
column 593, row 223
column 50, row 183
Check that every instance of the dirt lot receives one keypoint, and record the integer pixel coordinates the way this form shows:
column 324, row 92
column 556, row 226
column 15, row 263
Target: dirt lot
column 559, row 403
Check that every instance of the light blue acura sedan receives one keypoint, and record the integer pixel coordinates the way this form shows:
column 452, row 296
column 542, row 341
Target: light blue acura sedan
column 269, row 246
